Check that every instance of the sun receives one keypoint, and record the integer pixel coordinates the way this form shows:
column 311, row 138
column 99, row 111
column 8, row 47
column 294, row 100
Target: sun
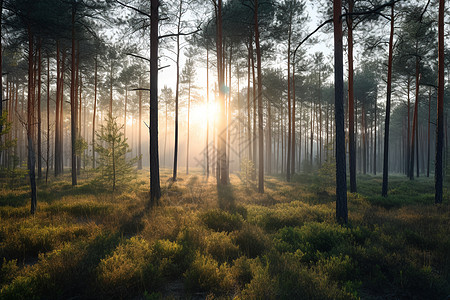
column 202, row 112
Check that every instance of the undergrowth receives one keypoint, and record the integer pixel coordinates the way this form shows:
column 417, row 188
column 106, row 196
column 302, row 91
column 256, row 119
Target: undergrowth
column 226, row 242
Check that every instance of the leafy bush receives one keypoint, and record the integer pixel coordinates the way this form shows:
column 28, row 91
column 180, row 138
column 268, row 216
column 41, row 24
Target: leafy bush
column 30, row 239
column 314, row 239
column 338, row 268
column 241, row 271
column 221, row 247
column 170, row 258
column 126, row 268
column 251, row 240
column 220, row 220
column 8, row 271
column 205, row 274
column 262, row 285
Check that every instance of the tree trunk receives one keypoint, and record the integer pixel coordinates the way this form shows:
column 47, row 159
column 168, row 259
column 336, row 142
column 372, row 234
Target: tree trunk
column 351, row 103
column 207, row 116
column 384, row 188
column 30, row 124
column 155, row 189
column 341, row 176
column 222, row 155
column 260, row 107
column 39, row 121
column 57, row 110
column 440, row 108
column 428, row 135
column 289, row 139
column 188, row 115
column 140, row 128
column 95, row 109
column 177, row 93
column 249, row 123
column 47, row 162
column 73, row 103
column 416, row 107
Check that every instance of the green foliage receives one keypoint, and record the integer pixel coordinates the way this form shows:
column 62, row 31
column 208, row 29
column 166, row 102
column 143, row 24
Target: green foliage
column 262, row 285
column 112, row 148
column 314, row 240
column 326, row 178
column 220, row 220
column 205, row 274
column 127, row 268
column 8, row 271
column 83, row 243
column 247, row 172
column 251, row 240
column 6, row 128
column 221, row 247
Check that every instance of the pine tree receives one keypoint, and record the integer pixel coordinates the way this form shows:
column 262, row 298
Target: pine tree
column 111, row 146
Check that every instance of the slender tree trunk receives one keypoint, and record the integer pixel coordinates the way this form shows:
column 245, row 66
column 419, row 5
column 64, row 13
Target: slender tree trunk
column 440, row 108
column 207, row 115
column 95, row 110
column 254, row 113
column 351, row 103
column 416, row 107
column 188, row 120
column 222, row 117
column 260, row 107
column 155, row 189
column 408, row 153
column 249, row 126
column 73, row 102
column 289, row 139
column 428, row 135
column 374, row 167
column 57, row 110
column 30, row 124
column 177, row 93
column 388, row 110
column 78, row 85
column 47, row 162
column 341, row 176
column 39, row 122
column 140, row 128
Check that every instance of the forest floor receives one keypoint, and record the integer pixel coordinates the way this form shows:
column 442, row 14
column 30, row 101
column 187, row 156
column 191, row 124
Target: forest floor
column 204, row 241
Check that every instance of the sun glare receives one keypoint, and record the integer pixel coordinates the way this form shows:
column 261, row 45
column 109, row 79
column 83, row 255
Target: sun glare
column 201, row 113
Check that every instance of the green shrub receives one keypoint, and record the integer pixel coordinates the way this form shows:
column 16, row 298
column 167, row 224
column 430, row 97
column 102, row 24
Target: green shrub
column 30, row 238
column 241, row 271
column 170, row 258
column 220, row 220
column 338, row 268
column 314, row 239
column 8, row 271
column 252, row 240
column 56, row 274
column 205, row 274
column 126, row 268
column 262, row 285
column 221, row 247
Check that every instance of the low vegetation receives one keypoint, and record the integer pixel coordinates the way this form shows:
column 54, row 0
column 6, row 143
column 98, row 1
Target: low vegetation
column 231, row 242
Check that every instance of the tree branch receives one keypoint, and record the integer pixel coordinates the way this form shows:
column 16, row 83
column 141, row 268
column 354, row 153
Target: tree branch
column 178, row 34
column 138, row 56
column 133, row 8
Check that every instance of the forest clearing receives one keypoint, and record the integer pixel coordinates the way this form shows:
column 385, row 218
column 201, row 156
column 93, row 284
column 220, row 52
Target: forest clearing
column 205, row 241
